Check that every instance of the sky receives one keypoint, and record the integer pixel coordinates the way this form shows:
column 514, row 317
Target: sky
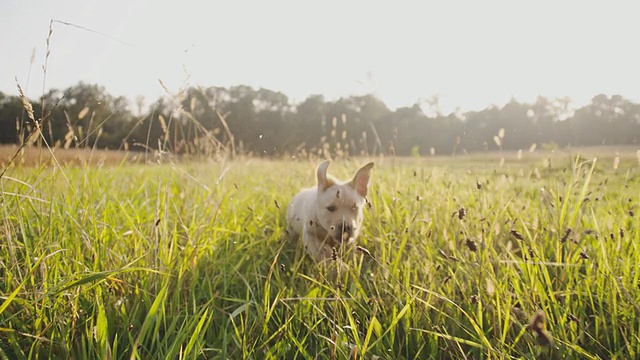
column 468, row 53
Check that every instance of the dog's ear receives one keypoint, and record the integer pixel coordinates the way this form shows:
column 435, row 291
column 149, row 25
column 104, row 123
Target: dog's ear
column 360, row 181
column 324, row 181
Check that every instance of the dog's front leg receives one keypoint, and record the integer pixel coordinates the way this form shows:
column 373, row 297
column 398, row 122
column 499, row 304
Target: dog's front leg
column 315, row 246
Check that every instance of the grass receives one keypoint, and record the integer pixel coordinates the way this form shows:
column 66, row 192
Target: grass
column 190, row 261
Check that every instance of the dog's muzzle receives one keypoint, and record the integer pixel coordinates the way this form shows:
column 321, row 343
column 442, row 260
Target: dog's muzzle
column 343, row 233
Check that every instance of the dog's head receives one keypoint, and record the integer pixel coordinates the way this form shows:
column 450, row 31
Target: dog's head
column 339, row 204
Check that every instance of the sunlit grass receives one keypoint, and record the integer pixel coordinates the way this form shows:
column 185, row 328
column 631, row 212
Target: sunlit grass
column 190, row 261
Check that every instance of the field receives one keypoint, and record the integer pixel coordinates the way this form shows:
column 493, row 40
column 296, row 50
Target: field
column 466, row 257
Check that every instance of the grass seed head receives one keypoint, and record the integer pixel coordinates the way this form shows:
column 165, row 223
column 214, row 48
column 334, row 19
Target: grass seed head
column 471, row 245
column 566, row 235
column 571, row 317
column 516, row 234
column 363, row 250
column 446, row 280
column 462, row 212
column 537, row 325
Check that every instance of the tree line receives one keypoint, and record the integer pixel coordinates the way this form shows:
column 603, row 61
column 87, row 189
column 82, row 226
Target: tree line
column 265, row 122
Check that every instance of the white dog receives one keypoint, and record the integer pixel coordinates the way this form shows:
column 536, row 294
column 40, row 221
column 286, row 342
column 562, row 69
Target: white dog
column 329, row 215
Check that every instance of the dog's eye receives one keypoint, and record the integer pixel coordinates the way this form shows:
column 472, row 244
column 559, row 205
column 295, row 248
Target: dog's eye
column 331, row 208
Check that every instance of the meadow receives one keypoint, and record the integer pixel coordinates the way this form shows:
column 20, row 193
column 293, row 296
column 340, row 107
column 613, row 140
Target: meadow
column 461, row 258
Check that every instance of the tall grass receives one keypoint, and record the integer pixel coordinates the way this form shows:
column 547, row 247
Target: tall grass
column 190, row 261
column 473, row 259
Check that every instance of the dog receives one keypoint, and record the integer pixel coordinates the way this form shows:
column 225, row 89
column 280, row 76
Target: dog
column 329, row 215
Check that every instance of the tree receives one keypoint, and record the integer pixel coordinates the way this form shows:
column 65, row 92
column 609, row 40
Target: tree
column 85, row 115
column 11, row 113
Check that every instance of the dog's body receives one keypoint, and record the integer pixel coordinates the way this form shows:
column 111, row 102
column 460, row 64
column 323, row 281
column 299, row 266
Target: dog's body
column 329, row 215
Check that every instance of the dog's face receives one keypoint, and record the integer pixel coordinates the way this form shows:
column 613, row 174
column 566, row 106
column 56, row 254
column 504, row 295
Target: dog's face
column 339, row 205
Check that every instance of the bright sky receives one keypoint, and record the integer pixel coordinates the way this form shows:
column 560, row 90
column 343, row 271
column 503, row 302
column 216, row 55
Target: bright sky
column 471, row 53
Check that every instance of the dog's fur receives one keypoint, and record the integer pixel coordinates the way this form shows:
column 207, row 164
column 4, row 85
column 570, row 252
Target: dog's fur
column 329, row 215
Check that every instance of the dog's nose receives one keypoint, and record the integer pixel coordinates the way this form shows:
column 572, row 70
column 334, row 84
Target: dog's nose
column 344, row 231
column 347, row 228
